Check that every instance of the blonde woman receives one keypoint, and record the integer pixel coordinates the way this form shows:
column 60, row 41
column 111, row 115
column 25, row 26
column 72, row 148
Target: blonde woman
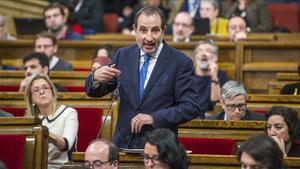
column 61, row 120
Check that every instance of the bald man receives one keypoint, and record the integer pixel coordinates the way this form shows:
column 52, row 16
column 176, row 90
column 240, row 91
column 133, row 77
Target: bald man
column 183, row 27
column 237, row 28
column 102, row 154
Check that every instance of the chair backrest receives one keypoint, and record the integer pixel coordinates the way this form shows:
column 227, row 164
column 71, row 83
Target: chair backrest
column 74, row 88
column 285, row 15
column 9, row 88
column 216, row 146
column 14, row 111
column 90, row 120
column 12, row 150
column 110, row 21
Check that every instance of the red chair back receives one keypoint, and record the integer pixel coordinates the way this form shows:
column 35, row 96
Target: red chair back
column 12, row 150
column 74, row 88
column 90, row 120
column 14, row 111
column 285, row 15
column 216, row 146
column 9, row 88
column 110, row 21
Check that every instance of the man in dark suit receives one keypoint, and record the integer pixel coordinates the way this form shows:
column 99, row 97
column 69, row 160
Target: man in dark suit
column 46, row 43
column 233, row 101
column 156, row 82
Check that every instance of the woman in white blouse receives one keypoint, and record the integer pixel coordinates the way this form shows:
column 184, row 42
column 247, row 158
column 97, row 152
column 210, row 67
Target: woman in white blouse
column 61, row 120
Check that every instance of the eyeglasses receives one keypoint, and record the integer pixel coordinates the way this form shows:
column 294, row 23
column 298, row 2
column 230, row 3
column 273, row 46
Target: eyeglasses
column 43, row 46
column 154, row 159
column 38, row 89
column 95, row 164
column 232, row 107
column 182, row 24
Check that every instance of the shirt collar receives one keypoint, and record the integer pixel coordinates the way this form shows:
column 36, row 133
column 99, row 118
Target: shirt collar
column 157, row 52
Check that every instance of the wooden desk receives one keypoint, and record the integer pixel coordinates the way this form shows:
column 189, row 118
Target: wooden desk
column 237, row 130
column 197, row 161
column 287, row 77
column 36, row 146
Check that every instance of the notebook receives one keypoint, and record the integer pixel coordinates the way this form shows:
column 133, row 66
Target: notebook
column 29, row 26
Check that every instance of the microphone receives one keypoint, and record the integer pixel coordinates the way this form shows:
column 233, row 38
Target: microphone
column 115, row 94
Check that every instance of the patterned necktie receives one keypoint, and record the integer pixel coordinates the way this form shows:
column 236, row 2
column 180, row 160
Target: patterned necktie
column 143, row 74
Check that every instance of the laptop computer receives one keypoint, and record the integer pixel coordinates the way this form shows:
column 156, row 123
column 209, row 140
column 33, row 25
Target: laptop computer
column 29, row 26
column 202, row 26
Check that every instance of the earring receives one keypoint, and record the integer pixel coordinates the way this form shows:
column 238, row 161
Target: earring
column 33, row 104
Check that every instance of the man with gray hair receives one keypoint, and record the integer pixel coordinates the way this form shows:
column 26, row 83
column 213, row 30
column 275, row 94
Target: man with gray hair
column 210, row 77
column 233, row 101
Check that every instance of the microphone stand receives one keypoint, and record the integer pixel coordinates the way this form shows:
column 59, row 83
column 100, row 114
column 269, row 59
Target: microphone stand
column 115, row 94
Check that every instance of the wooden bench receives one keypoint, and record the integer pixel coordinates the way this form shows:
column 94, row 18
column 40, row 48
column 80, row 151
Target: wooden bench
column 62, row 78
column 197, row 161
column 237, row 130
column 287, row 77
column 36, row 145
column 79, row 53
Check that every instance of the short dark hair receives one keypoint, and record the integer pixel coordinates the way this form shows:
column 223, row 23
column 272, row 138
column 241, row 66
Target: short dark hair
column 53, row 6
column 45, row 34
column 264, row 150
column 151, row 10
column 169, row 148
column 290, row 117
column 41, row 57
column 112, row 149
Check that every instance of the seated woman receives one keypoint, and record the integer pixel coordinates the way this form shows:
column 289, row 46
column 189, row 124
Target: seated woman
column 260, row 152
column 61, row 120
column 282, row 126
column 102, row 56
column 210, row 9
column 162, row 150
column 293, row 88
column 254, row 12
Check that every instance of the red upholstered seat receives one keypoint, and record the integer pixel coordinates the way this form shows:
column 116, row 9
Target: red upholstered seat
column 74, row 88
column 9, row 88
column 110, row 21
column 216, row 146
column 285, row 15
column 90, row 120
column 12, row 150
column 14, row 111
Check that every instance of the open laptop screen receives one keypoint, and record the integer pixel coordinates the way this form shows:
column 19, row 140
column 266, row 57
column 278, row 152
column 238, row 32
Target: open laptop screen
column 29, row 26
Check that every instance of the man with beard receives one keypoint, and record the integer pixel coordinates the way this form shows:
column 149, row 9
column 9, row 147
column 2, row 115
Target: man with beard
column 210, row 78
column 183, row 27
column 156, row 83
column 55, row 21
column 233, row 101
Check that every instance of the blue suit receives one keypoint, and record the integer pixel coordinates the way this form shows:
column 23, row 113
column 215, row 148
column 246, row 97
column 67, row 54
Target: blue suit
column 170, row 96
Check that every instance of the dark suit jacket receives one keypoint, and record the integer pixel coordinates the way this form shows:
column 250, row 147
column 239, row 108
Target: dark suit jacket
column 62, row 65
column 170, row 96
column 248, row 116
column 258, row 17
column 291, row 89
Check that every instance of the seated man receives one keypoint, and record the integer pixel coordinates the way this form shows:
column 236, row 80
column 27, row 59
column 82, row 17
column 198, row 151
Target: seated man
column 210, row 77
column 233, row 101
column 45, row 42
column 237, row 28
column 162, row 150
column 183, row 27
column 36, row 63
column 102, row 154
column 292, row 89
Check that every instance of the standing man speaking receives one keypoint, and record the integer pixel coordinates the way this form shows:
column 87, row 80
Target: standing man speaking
column 156, row 82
